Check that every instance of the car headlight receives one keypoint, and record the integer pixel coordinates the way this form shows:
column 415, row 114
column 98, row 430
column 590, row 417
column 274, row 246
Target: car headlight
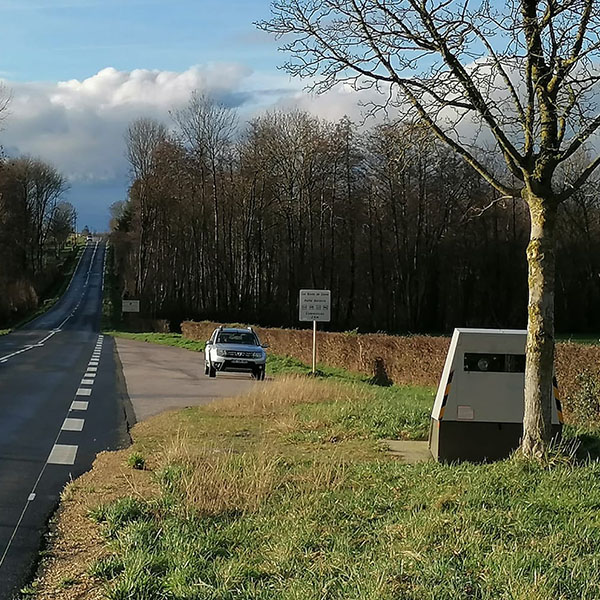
column 222, row 353
column 257, row 354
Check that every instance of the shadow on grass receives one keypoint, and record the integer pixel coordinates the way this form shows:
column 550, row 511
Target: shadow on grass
column 589, row 446
column 584, row 440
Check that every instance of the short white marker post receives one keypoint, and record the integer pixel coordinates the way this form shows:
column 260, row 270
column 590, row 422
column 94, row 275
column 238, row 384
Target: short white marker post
column 314, row 356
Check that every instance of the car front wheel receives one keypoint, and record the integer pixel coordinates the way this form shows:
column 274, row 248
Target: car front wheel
column 212, row 372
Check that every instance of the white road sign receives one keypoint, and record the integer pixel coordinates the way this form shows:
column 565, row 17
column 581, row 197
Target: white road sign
column 131, row 306
column 315, row 305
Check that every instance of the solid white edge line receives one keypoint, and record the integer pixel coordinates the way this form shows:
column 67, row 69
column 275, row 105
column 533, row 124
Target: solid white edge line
column 56, row 330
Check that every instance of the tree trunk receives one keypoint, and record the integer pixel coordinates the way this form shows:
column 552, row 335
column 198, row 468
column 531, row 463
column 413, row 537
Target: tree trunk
column 539, row 366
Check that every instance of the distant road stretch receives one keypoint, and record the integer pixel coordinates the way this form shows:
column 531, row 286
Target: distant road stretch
column 59, row 407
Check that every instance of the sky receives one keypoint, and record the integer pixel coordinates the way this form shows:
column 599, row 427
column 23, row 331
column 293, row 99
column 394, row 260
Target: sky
column 79, row 71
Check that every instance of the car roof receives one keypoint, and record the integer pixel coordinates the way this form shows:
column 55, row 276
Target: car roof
column 234, row 330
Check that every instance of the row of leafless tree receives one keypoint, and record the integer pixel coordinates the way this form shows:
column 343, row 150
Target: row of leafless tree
column 404, row 233
column 34, row 226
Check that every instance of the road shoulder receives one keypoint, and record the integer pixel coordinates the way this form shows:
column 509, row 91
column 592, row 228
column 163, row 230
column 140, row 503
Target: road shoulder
column 160, row 378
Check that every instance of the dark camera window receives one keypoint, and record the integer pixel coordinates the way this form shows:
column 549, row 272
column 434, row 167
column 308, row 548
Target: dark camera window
column 494, row 363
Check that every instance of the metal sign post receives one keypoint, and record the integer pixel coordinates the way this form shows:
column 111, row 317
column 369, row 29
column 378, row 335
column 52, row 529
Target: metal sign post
column 315, row 306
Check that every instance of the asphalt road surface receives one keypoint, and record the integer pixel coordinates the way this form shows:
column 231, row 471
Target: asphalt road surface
column 59, row 407
column 160, row 378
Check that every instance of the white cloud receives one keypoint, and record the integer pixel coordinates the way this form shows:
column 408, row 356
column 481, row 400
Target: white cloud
column 79, row 125
column 341, row 101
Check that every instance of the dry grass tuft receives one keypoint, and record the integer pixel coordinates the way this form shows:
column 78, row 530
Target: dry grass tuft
column 277, row 396
column 211, row 479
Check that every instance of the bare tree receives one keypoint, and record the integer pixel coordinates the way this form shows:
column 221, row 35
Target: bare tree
column 40, row 186
column 519, row 76
column 143, row 138
column 62, row 224
column 208, row 129
column 5, row 99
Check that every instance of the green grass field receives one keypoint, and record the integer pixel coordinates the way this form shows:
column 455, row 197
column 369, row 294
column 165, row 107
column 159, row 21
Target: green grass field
column 163, row 339
column 288, row 494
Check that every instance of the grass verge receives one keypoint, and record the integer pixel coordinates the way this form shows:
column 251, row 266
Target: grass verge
column 273, row 495
column 586, row 339
column 387, row 412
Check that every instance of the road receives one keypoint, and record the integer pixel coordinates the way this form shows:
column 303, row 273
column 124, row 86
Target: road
column 59, row 407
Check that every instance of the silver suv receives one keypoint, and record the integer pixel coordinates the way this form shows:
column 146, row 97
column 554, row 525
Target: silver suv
column 232, row 349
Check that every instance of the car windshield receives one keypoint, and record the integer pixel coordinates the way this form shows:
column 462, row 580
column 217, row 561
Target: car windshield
column 237, row 337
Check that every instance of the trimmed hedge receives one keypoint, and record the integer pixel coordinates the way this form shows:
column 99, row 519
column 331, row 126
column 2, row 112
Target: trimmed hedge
column 408, row 360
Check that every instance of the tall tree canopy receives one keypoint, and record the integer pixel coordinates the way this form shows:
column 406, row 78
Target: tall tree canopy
column 519, row 76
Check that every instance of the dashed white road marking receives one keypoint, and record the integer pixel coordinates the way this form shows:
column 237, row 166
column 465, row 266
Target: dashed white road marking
column 87, row 382
column 62, row 454
column 93, row 363
column 73, row 424
column 79, row 405
column 92, row 369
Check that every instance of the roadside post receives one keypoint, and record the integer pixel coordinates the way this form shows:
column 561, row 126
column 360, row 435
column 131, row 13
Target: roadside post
column 315, row 306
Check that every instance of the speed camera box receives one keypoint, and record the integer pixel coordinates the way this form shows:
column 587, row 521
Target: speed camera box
column 478, row 409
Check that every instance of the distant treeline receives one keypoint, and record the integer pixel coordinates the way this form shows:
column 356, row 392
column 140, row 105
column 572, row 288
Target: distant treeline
column 406, row 236
column 34, row 227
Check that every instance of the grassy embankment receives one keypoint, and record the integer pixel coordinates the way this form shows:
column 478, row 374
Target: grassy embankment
column 286, row 493
column 400, row 410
